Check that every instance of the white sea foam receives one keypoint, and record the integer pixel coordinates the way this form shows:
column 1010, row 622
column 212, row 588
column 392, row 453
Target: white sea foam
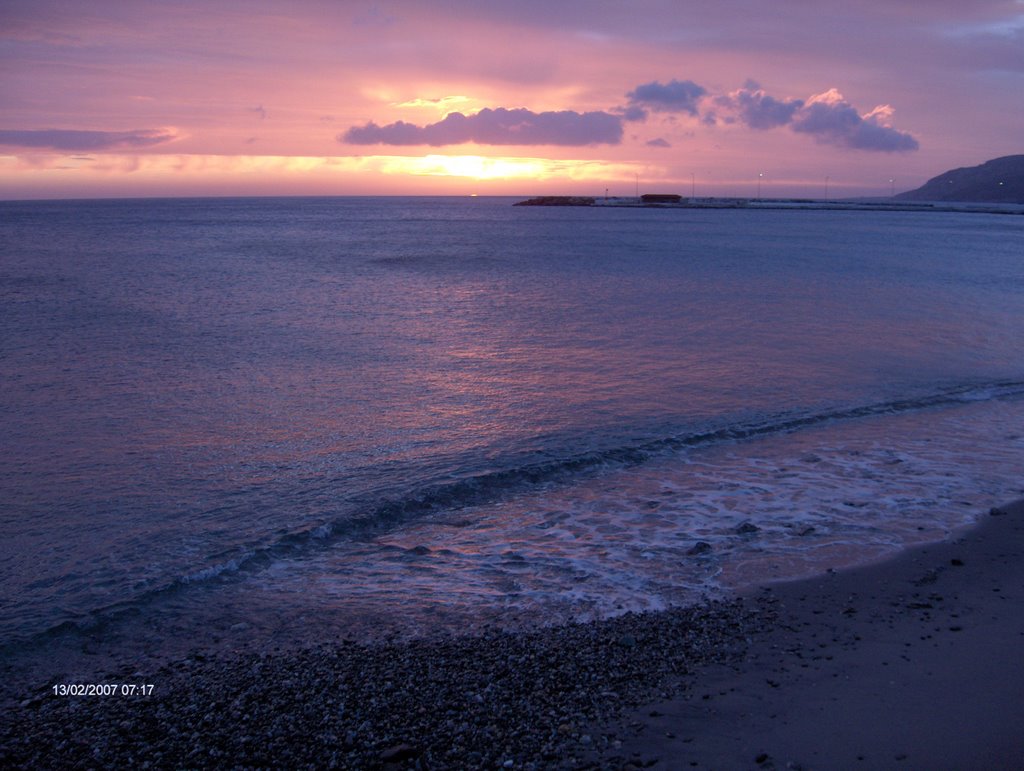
column 219, row 398
column 775, row 507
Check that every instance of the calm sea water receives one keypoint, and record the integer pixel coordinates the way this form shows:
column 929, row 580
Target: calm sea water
column 284, row 419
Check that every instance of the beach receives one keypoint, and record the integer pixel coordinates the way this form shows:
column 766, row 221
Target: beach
column 909, row 663
column 434, row 483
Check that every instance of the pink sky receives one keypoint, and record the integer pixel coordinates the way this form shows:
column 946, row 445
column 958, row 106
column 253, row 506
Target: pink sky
column 124, row 97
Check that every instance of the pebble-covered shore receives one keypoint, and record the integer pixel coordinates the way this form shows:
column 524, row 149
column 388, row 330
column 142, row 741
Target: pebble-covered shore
column 499, row 700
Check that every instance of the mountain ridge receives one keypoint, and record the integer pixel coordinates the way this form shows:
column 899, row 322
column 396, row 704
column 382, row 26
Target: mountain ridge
column 1000, row 180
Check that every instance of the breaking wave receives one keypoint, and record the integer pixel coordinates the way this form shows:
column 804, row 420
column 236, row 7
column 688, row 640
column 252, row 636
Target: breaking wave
column 369, row 519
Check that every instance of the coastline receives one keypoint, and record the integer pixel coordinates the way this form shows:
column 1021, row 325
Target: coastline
column 909, row 663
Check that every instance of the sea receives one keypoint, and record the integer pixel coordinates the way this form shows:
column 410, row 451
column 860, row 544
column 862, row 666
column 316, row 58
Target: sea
column 253, row 423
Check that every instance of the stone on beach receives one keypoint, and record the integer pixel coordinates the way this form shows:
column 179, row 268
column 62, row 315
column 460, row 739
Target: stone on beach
column 720, row 685
column 461, row 702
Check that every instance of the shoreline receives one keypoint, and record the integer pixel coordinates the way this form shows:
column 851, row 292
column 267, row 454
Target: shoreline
column 911, row 662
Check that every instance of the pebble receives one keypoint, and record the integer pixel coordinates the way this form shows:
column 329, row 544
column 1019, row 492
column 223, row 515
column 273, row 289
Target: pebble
column 497, row 699
column 398, row 753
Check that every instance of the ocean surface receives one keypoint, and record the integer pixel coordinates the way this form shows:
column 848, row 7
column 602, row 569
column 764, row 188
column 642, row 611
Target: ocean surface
column 247, row 422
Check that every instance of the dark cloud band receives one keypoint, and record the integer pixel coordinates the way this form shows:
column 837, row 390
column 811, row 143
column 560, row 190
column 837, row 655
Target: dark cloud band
column 827, row 117
column 498, row 126
column 73, row 140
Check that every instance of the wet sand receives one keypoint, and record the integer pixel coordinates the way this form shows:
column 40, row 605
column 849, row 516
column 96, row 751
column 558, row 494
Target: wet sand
column 913, row 663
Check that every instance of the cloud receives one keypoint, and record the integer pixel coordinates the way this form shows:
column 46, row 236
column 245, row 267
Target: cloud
column 994, row 46
column 373, row 17
column 498, row 126
column 631, row 113
column 754, row 108
column 830, row 119
column 674, row 96
column 75, row 140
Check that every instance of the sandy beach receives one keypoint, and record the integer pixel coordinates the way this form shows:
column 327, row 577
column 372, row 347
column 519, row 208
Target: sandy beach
column 911, row 663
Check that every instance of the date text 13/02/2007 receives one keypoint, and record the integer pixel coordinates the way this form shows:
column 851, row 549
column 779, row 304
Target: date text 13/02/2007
column 103, row 689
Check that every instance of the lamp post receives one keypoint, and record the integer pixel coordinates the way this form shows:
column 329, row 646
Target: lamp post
column 760, row 174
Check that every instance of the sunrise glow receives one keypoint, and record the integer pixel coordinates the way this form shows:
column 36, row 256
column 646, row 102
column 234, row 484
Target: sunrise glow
column 396, row 98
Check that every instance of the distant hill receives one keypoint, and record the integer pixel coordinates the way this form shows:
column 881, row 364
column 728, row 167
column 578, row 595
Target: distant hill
column 1000, row 180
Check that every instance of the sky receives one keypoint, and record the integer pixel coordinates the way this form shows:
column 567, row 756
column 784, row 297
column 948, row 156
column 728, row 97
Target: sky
column 114, row 98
